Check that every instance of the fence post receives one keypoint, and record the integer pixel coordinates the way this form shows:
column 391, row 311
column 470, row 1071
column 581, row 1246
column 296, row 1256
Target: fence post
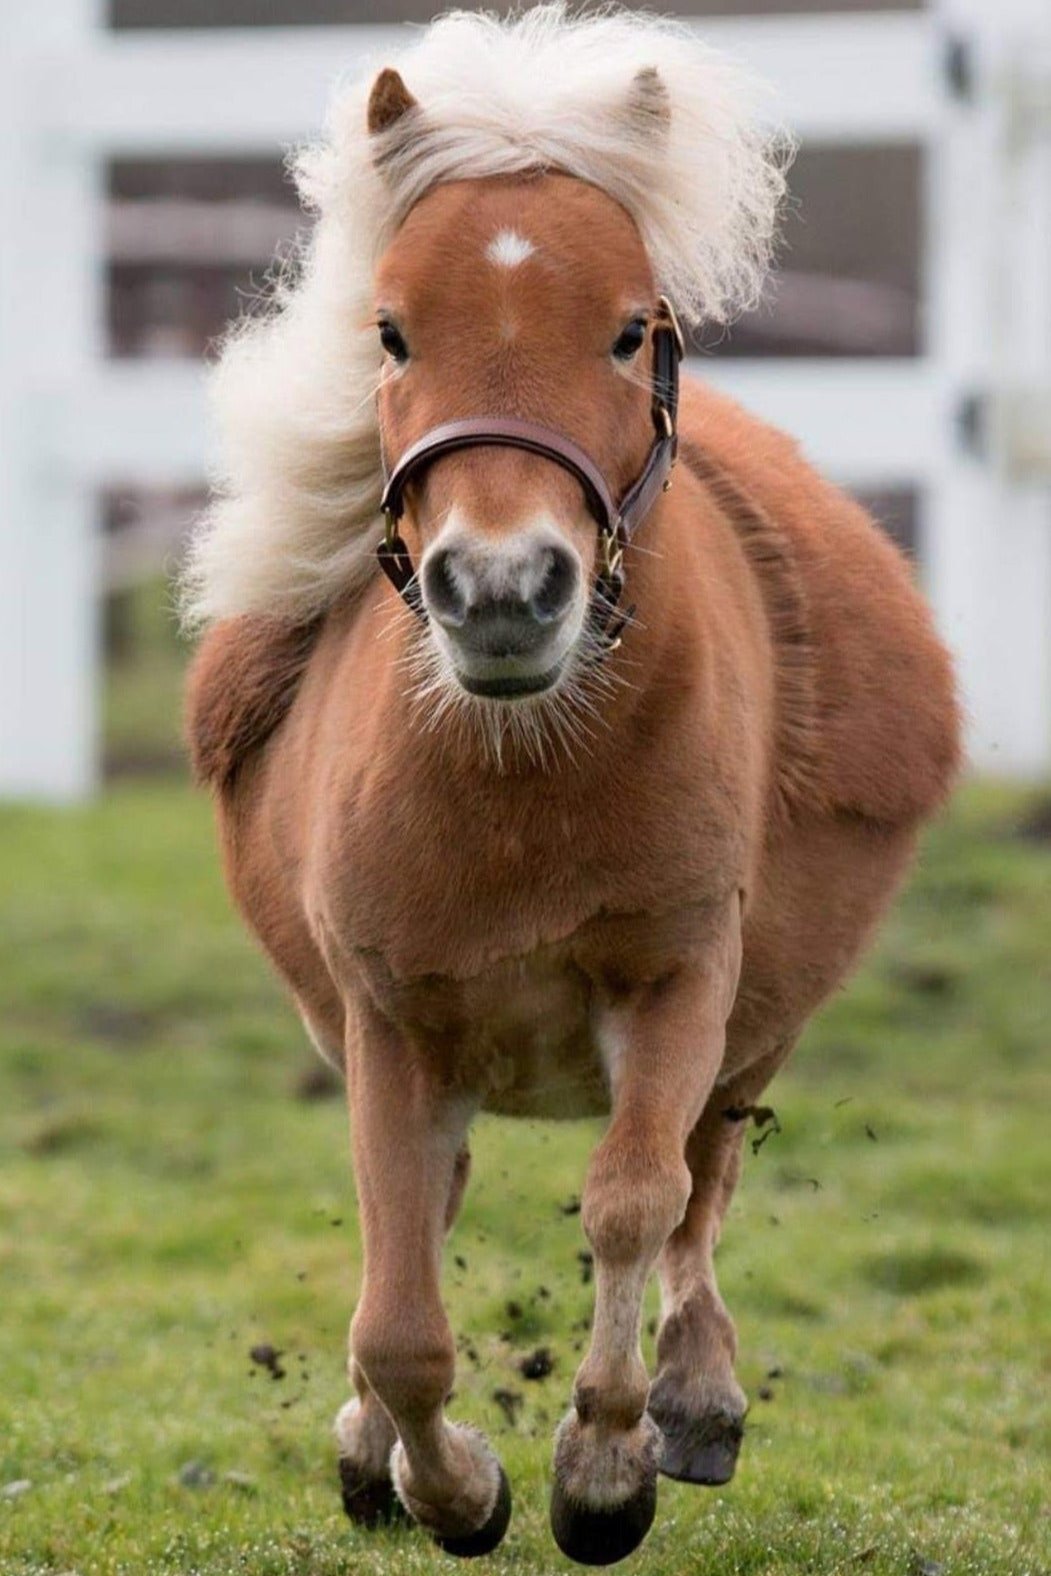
column 50, row 335
column 987, row 527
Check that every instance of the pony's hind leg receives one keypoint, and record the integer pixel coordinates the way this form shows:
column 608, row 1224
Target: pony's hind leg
column 670, row 1039
column 411, row 1165
column 695, row 1397
column 365, row 1437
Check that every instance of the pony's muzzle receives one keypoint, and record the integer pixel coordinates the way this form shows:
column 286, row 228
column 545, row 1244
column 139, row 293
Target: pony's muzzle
column 503, row 609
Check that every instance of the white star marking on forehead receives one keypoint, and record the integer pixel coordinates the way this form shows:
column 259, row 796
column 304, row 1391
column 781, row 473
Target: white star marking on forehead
column 508, row 249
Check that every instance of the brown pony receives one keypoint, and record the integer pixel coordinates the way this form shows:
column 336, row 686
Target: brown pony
column 517, row 840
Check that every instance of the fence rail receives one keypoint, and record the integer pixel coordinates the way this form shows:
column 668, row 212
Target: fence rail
column 73, row 95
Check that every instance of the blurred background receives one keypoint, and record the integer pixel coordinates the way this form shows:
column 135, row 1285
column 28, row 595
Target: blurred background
column 906, row 339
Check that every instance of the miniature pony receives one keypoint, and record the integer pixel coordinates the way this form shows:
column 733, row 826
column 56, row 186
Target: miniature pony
column 590, row 798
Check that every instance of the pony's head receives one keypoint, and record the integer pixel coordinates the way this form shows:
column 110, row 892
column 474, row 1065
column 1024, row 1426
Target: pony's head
column 529, row 298
column 497, row 221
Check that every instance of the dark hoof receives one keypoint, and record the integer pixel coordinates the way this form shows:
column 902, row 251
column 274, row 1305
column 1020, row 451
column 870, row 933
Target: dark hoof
column 602, row 1537
column 699, row 1449
column 485, row 1540
column 369, row 1502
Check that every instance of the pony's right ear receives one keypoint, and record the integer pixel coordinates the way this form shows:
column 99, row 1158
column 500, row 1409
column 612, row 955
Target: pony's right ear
column 389, row 100
column 648, row 106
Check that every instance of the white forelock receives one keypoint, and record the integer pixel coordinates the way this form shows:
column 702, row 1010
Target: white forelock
column 294, row 523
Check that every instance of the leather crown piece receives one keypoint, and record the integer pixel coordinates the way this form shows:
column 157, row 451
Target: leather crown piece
column 617, row 521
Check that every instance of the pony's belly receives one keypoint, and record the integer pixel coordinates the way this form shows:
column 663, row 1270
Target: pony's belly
column 529, row 1041
column 545, row 1072
column 520, row 1037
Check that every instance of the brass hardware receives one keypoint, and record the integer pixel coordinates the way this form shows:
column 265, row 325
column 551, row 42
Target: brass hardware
column 389, row 528
column 666, row 421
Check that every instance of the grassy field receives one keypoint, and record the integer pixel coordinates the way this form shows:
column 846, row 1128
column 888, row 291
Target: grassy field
column 169, row 1196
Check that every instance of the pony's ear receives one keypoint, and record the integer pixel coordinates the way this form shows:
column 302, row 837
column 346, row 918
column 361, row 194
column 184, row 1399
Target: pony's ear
column 389, row 100
column 648, row 105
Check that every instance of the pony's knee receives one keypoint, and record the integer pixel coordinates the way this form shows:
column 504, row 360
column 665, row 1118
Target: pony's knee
column 633, row 1201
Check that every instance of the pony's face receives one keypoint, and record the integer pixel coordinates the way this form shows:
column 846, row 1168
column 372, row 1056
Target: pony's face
column 529, row 297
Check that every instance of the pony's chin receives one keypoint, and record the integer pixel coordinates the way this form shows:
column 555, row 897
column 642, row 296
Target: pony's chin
column 510, row 686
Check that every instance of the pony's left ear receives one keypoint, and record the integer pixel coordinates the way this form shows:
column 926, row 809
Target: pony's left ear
column 389, row 100
column 648, row 105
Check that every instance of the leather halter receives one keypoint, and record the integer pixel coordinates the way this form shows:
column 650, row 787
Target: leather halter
column 617, row 521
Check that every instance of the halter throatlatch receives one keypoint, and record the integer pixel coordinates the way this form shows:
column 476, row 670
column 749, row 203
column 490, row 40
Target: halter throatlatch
column 617, row 522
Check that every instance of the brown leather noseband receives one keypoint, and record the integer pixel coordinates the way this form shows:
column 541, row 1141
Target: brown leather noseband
column 617, row 522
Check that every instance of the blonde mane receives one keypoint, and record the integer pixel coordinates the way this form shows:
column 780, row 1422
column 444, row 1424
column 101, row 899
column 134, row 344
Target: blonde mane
column 294, row 521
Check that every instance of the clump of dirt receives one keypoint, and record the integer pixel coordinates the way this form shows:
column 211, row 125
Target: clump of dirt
column 538, row 1364
column 61, row 1134
column 764, row 1117
column 571, row 1206
column 316, row 1080
column 510, row 1404
column 926, row 979
column 586, row 1261
column 194, row 1474
column 266, row 1356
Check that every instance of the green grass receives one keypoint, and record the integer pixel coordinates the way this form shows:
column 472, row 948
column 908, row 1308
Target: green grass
column 166, row 1201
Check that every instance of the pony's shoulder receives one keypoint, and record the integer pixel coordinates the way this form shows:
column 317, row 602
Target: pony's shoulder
column 242, row 682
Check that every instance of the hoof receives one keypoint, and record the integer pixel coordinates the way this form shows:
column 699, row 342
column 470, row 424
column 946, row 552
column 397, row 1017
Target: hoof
column 369, row 1502
column 490, row 1534
column 699, row 1449
column 602, row 1537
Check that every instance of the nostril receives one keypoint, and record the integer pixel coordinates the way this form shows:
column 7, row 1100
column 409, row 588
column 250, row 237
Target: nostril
column 444, row 597
column 558, row 587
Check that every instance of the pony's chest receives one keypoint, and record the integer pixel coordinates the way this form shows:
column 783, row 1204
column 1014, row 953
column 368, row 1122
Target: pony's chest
column 456, row 897
column 438, row 888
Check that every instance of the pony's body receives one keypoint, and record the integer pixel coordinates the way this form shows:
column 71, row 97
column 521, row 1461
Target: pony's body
column 482, row 907
column 632, row 900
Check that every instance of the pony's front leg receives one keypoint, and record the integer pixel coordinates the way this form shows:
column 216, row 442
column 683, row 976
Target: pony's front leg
column 410, row 1164
column 364, row 1432
column 667, row 1041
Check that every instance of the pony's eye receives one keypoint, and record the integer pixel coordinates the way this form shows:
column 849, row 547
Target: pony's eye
column 630, row 340
column 392, row 342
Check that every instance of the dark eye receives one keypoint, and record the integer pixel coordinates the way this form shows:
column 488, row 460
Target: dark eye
column 392, row 342
column 630, row 340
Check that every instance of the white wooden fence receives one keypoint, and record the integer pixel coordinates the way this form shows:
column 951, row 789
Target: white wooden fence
column 966, row 424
